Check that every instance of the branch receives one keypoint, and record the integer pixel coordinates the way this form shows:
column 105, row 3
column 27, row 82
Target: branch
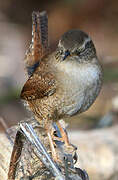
column 35, row 157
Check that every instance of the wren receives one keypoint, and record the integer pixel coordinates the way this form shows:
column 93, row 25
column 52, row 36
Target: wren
column 64, row 82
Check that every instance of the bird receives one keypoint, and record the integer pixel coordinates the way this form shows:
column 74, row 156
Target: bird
column 64, row 82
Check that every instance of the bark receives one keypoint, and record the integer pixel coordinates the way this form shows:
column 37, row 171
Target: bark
column 23, row 159
column 97, row 149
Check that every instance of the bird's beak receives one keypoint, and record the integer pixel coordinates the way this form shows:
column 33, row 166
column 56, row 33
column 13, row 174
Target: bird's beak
column 67, row 53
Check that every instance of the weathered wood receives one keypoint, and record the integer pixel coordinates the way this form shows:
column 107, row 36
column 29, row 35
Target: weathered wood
column 26, row 163
column 16, row 154
column 97, row 153
column 5, row 153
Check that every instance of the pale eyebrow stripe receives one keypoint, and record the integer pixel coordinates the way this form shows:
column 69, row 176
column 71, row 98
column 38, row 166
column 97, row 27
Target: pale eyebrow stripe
column 86, row 41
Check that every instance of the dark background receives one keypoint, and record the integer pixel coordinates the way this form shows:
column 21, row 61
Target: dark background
column 99, row 18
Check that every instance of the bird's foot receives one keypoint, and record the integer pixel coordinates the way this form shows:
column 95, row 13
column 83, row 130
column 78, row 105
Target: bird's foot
column 61, row 141
column 60, row 133
column 58, row 139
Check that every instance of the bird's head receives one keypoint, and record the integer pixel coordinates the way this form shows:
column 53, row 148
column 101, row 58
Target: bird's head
column 75, row 43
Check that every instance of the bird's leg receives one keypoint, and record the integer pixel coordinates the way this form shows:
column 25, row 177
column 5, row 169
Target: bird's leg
column 50, row 131
column 61, row 126
column 58, row 138
column 60, row 133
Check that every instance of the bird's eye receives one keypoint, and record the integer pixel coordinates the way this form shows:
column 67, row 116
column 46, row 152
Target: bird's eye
column 79, row 51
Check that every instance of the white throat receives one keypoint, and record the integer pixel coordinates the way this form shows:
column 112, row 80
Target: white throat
column 85, row 73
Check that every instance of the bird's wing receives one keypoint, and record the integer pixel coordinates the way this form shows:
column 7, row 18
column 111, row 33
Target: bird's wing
column 39, row 86
column 39, row 45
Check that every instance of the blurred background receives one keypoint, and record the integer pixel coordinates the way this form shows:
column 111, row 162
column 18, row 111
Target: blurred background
column 99, row 18
column 96, row 17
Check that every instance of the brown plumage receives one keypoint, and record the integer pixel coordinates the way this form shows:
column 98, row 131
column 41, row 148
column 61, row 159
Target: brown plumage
column 62, row 83
column 41, row 82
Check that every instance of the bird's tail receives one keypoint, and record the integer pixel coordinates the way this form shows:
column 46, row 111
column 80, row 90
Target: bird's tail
column 39, row 45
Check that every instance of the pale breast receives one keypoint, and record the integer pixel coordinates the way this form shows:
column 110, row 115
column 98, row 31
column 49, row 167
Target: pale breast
column 82, row 84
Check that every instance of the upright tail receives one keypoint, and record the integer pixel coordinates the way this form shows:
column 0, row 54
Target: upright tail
column 39, row 45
